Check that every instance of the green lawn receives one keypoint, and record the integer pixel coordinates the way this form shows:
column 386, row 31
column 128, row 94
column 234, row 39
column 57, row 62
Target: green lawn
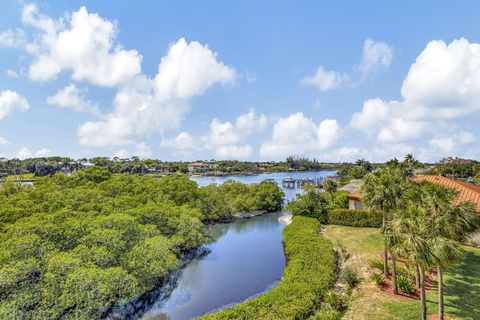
column 462, row 282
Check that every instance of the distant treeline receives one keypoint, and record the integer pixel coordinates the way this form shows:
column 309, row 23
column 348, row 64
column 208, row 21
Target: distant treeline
column 51, row 165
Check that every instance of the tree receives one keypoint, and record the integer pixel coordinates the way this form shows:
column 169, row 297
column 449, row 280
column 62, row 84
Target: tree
column 383, row 191
column 311, row 204
column 330, row 187
column 450, row 225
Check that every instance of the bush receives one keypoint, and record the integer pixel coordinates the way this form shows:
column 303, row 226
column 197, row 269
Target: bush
column 378, row 278
column 355, row 218
column 309, row 274
column 350, row 277
column 405, row 284
column 376, row 264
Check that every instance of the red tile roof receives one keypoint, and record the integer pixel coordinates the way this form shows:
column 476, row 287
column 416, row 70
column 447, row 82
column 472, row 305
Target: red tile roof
column 467, row 191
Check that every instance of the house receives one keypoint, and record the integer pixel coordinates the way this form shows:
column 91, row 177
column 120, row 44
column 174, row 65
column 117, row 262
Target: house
column 467, row 191
column 198, row 167
column 352, row 186
column 355, row 201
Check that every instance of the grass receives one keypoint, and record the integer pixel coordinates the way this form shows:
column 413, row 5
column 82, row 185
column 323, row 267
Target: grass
column 461, row 282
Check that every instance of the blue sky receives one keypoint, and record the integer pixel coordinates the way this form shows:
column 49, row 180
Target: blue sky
column 248, row 80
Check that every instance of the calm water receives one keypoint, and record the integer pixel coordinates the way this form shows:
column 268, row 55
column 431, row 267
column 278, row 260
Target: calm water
column 245, row 259
column 277, row 177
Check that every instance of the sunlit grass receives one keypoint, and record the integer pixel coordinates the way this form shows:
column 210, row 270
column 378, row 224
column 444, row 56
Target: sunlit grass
column 461, row 282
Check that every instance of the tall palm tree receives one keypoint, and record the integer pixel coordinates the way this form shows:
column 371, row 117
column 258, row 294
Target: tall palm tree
column 450, row 225
column 411, row 229
column 383, row 191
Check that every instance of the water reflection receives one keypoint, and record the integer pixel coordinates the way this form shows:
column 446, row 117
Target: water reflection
column 245, row 259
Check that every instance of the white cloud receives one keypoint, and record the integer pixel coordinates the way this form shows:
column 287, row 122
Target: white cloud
column 4, row 142
column 233, row 151
column 375, row 55
column 43, row 153
column 183, row 141
column 299, row 135
column 24, row 153
column 83, row 43
column 122, row 154
column 147, row 105
column 450, row 143
column 325, row 80
column 142, row 150
column 12, row 38
column 12, row 73
column 443, row 84
column 74, row 99
column 11, row 100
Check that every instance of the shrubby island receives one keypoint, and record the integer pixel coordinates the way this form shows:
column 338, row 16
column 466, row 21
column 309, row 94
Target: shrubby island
column 73, row 246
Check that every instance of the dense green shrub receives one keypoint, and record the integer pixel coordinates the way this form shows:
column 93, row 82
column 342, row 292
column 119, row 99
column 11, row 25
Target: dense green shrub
column 71, row 246
column 355, row 218
column 310, row 204
column 309, row 274
column 350, row 277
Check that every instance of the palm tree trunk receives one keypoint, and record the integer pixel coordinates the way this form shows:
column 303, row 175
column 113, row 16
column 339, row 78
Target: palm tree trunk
column 422, row 294
column 441, row 311
column 385, row 250
column 417, row 276
column 394, row 276
column 385, row 261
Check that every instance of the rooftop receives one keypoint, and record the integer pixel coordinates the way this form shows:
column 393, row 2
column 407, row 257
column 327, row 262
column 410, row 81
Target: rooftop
column 467, row 191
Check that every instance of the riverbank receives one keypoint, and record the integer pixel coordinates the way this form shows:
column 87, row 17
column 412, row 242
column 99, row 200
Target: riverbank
column 309, row 274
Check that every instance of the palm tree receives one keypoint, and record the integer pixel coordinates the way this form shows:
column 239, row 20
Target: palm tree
column 411, row 229
column 450, row 225
column 383, row 191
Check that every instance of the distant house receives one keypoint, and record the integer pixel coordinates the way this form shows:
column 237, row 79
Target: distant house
column 352, row 186
column 198, row 167
column 355, row 201
column 467, row 191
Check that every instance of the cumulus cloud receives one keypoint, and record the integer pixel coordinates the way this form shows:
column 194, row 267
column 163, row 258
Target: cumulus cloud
column 12, row 38
column 44, row 152
column 450, row 143
column 375, row 56
column 443, row 84
column 73, row 98
column 83, row 43
column 147, row 105
column 225, row 139
column 183, row 141
column 10, row 101
column 299, row 135
column 25, row 153
column 325, row 80
column 234, row 151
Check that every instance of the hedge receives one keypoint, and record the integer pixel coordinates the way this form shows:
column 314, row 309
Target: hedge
column 309, row 274
column 355, row 218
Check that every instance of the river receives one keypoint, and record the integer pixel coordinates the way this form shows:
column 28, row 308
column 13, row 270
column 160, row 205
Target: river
column 245, row 259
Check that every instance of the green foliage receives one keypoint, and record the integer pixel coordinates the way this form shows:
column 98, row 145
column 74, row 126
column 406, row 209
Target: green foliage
column 379, row 279
column 309, row 274
column 338, row 200
column 355, row 218
column 71, row 246
column 405, row 284
column 310, row 204
column 350, row 277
